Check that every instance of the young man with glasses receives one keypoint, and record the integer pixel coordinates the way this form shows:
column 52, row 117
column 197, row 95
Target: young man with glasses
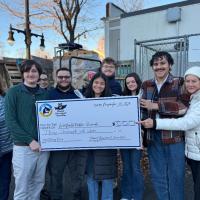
column 108, row 68
column 44, row 81
column 60, row 159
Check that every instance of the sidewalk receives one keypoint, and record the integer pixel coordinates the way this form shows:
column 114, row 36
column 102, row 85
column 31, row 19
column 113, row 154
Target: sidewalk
column 149, row 192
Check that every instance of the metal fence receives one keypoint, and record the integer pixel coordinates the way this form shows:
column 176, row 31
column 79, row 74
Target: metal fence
column 178, row 47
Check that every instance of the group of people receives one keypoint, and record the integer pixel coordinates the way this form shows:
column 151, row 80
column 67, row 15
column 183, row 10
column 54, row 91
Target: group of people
column 164, row 96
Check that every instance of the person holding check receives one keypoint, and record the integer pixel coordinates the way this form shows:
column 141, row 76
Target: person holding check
column 29, row 163
column 163, row 97
column 101, row 164
column 190, row 123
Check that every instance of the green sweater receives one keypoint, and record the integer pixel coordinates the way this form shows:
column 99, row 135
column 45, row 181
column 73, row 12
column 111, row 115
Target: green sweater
column 21, row 113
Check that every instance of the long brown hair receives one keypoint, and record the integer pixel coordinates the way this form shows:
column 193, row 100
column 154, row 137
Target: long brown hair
column 89, row 93
column 138, row 81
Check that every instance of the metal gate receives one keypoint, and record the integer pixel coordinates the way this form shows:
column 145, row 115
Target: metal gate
column 178, row 47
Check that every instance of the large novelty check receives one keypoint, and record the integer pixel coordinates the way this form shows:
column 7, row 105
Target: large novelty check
column 97, row 123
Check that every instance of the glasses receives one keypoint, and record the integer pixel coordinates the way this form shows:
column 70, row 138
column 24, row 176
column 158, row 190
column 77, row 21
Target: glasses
column 63, row 77
column 108, row 66
column 43, row 79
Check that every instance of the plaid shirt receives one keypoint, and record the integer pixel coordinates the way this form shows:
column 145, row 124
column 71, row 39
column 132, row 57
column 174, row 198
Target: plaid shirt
column 171, row 100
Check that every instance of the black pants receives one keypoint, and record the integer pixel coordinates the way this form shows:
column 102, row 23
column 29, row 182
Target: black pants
column 195, row 167
column 57, row 163
column 5, row 175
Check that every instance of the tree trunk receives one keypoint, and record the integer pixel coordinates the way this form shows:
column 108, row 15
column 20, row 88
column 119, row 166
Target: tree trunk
column 71, row 36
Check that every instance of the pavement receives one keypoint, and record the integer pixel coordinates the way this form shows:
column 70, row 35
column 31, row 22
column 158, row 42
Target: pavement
column 189, row 194
column 148, row 195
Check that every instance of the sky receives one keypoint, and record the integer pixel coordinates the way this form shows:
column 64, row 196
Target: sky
column 51, row 39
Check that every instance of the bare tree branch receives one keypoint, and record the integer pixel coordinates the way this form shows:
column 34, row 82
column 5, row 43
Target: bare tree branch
column 69, row 18
column 86, row 31
column 16, row 13
column 61, row 25
column 130, row 5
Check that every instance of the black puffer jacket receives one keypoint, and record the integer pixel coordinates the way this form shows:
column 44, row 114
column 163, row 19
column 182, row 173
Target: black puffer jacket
column 105, row 164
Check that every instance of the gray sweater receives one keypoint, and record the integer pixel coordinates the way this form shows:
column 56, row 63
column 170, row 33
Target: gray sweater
column 5, row 137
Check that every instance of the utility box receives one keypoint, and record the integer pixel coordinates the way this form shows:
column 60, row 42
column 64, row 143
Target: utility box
column 173, row 15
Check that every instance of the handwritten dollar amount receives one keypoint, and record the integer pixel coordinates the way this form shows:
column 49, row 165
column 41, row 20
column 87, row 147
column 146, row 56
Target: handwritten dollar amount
column 124, row 123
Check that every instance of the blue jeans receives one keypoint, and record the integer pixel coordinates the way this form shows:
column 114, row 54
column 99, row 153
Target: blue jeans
column 5, row 175
column 132, row 182
column 167, row 168
column 93, row 185
column 93, row 188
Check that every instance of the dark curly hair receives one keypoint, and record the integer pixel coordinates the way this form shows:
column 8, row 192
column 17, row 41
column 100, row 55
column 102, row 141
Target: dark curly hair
column 161, row 54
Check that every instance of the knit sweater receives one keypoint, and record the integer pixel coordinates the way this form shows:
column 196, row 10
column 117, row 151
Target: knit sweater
column 21, row 113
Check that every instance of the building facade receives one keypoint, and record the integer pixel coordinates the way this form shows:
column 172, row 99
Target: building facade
column 166, row 27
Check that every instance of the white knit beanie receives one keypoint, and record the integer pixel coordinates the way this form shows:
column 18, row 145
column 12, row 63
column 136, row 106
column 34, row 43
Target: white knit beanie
column 193, row 71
